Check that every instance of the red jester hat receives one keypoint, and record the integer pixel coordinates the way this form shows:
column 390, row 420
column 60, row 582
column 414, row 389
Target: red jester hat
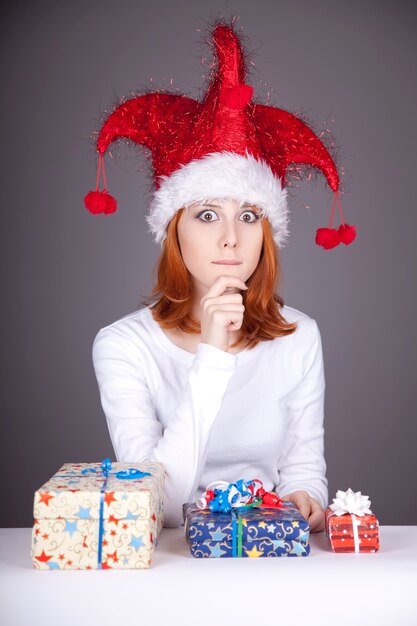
column 223, row 147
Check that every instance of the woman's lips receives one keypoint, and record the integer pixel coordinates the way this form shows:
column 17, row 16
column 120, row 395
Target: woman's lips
column 227, row 262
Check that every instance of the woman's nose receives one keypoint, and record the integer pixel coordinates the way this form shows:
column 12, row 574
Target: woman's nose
column 229, row 237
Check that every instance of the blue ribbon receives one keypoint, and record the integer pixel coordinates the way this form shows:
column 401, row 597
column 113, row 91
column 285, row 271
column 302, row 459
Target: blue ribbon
column 234, row 529
column 106, row 467
column 128, row 474
column 224, row 503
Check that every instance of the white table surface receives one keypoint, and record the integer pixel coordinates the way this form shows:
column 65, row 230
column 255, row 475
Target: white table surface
column 324, row 588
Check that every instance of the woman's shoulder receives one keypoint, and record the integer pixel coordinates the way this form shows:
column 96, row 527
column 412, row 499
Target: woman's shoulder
column 132, row 328
column 307, row 328
column 292, row 314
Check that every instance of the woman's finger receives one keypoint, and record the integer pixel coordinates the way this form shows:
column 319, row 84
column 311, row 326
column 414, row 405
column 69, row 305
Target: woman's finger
column 316, row 519
column 221, row 284
column 309, row 508
column 301, row 501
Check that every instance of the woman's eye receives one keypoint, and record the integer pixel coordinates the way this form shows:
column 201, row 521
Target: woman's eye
column 250, row 214
column 204, row 214
column 211, row 216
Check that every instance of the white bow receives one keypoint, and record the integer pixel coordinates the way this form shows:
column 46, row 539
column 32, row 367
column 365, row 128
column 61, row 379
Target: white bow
column 352, row 502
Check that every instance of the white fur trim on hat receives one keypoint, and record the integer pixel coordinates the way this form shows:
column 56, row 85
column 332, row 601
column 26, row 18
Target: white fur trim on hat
column 220, row 175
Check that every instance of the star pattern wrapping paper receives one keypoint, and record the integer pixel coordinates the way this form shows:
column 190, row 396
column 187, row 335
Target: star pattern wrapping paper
column 66, row 510
column 265, row 532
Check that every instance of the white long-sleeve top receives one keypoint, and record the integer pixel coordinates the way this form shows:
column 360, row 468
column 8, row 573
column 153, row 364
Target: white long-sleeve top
column 214, row 415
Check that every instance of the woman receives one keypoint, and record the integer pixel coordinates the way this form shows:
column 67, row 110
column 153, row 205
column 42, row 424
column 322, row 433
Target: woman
column 217, row 379
column 200, row 402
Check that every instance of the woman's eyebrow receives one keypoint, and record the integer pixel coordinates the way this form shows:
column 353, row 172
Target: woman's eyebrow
column 217, row 206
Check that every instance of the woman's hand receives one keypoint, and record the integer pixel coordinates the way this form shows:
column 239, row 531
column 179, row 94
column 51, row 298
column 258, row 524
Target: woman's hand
column 222, row 312
column 309, row 507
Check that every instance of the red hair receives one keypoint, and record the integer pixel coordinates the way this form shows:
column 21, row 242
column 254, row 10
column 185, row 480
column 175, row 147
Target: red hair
column 262, row 320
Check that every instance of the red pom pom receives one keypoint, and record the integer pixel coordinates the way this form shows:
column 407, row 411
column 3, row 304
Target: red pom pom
column 327, row 238
column 209, row 495
column 271, row 499
column 237, row 97
column 100, row 202
column 347, row 233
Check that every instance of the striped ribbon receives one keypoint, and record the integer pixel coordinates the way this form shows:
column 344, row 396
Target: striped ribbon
column 237, row 528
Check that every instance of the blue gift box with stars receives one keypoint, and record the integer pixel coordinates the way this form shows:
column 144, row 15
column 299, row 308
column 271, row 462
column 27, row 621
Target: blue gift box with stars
column 252, row 532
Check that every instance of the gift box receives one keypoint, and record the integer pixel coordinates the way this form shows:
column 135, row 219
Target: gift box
column 98, row 516
column 246, row 532
column 350, row 524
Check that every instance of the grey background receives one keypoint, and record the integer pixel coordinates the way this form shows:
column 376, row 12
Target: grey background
column 346, row 65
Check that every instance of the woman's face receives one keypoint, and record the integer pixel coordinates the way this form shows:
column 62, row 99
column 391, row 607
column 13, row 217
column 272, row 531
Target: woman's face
column 220, row 230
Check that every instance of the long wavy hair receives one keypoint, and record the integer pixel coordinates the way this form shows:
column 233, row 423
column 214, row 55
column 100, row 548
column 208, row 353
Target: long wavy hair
column 262, row 320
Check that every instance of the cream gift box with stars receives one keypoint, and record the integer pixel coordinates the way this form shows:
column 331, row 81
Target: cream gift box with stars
column 89, row 519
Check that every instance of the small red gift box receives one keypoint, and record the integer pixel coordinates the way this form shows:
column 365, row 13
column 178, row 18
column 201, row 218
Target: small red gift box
column 350, row 524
